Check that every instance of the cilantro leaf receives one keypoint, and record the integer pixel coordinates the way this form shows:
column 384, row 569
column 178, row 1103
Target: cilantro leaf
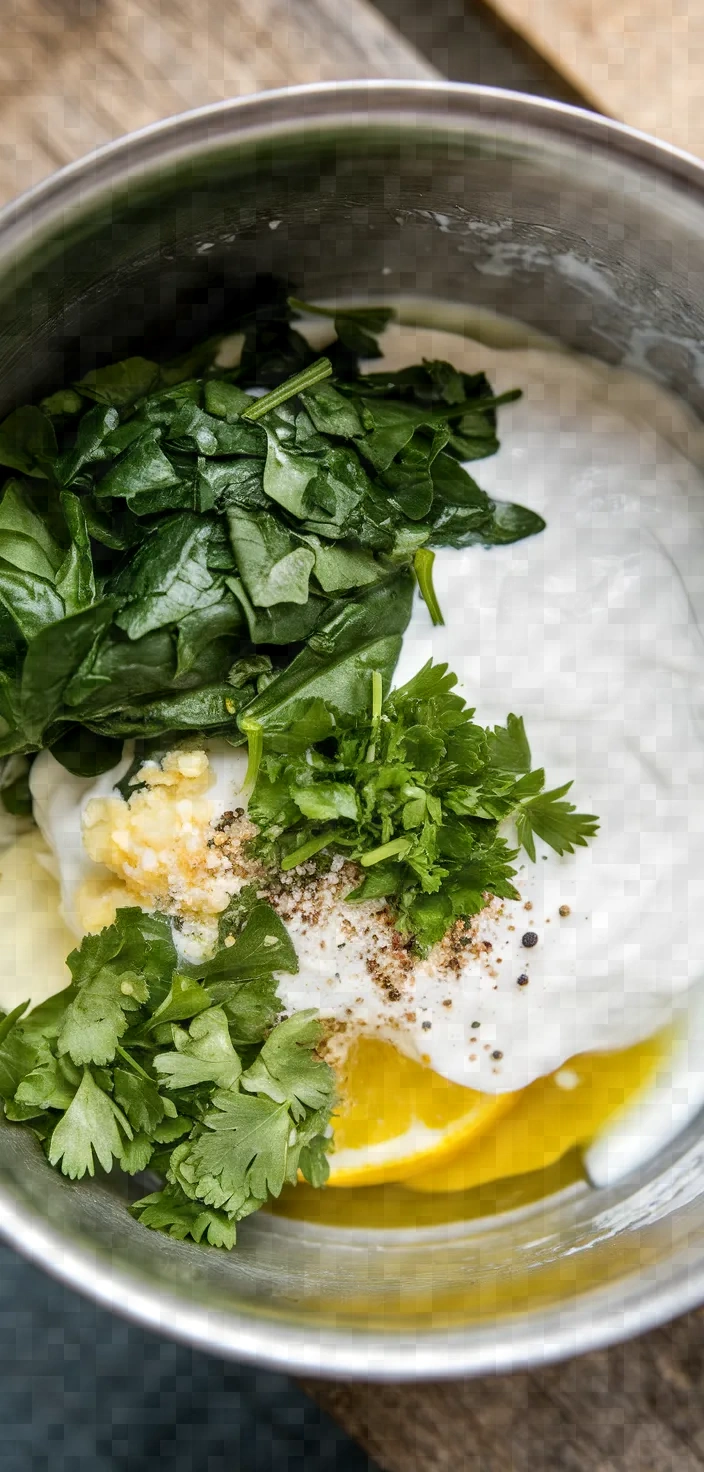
column 287, row 1069
column 313, row 1162
column 204, row 1054
column 49, row 1085
column 184, row 999
column 96, row 1019
column 140, row 1099
column 242, row 1155
column 90, row 1128
column 136, row 1154
column 252, row 1007
column 216, row 1145
column 172, row 1211
column 263, row 945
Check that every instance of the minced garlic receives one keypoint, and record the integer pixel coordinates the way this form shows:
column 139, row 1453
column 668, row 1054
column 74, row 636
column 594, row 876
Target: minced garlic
column 159, row 844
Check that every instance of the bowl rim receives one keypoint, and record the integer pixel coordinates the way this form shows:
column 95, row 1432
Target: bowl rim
column 310, row 106
column 598, row 1317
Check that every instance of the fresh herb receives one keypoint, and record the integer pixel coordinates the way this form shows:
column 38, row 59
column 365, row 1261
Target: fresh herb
column 162, row 525
column 193, row 1075
column 417, row 794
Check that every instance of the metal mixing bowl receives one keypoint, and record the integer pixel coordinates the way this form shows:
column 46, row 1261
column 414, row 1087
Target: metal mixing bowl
column 578, row 227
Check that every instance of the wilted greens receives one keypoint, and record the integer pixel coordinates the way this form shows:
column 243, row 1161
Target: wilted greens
column 169, row 541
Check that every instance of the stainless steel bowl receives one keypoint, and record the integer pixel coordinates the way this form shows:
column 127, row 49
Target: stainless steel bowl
column 578, row 227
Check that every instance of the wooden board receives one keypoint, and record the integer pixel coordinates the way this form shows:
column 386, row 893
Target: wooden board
column 75, row 75
column 641, row 61
column 636, row 1408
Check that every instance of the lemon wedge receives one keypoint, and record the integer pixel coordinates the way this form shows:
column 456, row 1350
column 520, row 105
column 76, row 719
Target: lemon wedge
column 547, row 1119
column 395, row 1116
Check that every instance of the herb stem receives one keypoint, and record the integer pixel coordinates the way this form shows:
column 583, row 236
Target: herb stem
column 319, row 370
column 377, row 701
column 255, row 748
column 396, row 849
column 479, row 405
column 423, row 565
column 298, row 306
column 132, row 1063
column 307, row 850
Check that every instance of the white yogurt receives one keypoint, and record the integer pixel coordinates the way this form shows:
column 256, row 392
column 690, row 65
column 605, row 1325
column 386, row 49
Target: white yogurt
column 591, row 631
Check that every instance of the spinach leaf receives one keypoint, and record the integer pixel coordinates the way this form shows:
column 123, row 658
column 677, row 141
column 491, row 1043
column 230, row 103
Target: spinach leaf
column 26, row 541
column 119, row 671
column 120, row 384
column 274, row 565
column 212, row 707
column 199, row 629
column 356, row 638
column 140, row 474
column 340, row 566
column 53, row 656
column 32, row 601
column 84, row 753
column 282, row 623
column 88, row 446
column 291, row 465
column 28, row 441
column 168, row 578
column 75, row 579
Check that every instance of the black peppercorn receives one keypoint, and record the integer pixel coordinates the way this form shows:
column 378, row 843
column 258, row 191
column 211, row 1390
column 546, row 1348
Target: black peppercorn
column 523, row 979
column 497, row 1054
column 529, row 939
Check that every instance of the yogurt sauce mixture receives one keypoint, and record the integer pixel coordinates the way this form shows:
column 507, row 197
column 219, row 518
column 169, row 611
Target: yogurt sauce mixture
column 591, row 631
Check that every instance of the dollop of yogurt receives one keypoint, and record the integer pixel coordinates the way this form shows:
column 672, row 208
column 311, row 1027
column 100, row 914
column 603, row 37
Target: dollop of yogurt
column 592, row 632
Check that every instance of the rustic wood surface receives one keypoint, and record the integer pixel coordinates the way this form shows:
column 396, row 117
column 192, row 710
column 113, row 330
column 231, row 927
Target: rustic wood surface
column 76, row 73
column 640, row 60
column 636, row 1408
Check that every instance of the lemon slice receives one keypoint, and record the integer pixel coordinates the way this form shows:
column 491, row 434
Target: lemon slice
column 396, row 1116
column 548, row 1118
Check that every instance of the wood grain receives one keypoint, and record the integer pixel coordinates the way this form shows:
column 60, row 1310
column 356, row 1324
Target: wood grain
column 76, row 73
column 636, row 1408
column 640, row 60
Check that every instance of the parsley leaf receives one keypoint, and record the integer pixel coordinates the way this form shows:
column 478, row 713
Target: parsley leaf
column 414, row 791
column 558, row 823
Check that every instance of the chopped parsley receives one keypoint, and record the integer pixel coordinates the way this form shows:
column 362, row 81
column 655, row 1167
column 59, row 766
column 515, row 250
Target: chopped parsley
column 425, row 801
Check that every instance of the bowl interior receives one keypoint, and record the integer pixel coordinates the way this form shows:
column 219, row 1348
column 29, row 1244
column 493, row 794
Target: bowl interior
column 487, row 201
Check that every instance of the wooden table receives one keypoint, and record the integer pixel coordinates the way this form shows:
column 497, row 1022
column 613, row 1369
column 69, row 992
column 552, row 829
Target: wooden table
column 74, row 74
